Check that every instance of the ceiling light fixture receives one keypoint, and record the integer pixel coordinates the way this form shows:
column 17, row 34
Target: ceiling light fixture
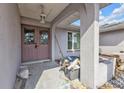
column 42, row 15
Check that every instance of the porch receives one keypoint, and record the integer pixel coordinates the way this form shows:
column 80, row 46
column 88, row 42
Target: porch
column 37, row 41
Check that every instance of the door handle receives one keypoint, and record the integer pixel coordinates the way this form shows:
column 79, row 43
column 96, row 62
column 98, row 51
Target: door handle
column 36, row 45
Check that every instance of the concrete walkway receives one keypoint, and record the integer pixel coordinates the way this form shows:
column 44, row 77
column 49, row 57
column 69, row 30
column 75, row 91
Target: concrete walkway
column 36, row 71
column 52, row 79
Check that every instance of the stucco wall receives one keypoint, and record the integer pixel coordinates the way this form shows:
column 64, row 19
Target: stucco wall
column 62, row 37
column 10, row 44
column 112, row 38
column 112, row 41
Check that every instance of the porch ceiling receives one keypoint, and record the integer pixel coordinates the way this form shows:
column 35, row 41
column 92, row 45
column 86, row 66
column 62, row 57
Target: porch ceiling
column 32, row 10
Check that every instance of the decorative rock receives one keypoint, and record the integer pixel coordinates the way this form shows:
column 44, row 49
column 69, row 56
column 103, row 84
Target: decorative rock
column 121, row 67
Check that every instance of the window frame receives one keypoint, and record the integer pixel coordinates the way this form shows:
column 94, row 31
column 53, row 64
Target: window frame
column 73, row 32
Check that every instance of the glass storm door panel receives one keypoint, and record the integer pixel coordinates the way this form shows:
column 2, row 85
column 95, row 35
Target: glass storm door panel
column 43, row 49
column 29, row 40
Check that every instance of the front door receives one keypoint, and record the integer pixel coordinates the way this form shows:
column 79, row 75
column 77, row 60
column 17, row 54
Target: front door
column 35, row 43
column 43, row 44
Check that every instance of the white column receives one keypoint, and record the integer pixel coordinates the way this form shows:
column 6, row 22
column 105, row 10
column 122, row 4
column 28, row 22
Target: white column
column 53, row 42
column 89, row 44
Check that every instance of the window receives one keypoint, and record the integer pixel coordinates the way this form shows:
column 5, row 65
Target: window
column 44, row 37
column 73, row 40
column 28, row 36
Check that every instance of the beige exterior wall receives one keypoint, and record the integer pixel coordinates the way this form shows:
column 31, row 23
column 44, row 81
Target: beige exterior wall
column 112, row 41
column 62, row 36
column 10, row 44
column 112, row 38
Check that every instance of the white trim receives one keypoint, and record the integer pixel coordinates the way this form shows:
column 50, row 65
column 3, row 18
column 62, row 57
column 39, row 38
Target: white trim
column 35, row 62
column 73, row 40
column 53, row 30
column 71, row 50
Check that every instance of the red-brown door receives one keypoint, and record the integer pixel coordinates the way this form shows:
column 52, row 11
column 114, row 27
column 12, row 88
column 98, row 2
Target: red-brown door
column 35, row 43
column 44, row 44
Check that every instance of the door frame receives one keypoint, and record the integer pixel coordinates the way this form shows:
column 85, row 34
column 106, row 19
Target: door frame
column 38, row 28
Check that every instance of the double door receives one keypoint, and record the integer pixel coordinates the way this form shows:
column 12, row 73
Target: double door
column 35, row 43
